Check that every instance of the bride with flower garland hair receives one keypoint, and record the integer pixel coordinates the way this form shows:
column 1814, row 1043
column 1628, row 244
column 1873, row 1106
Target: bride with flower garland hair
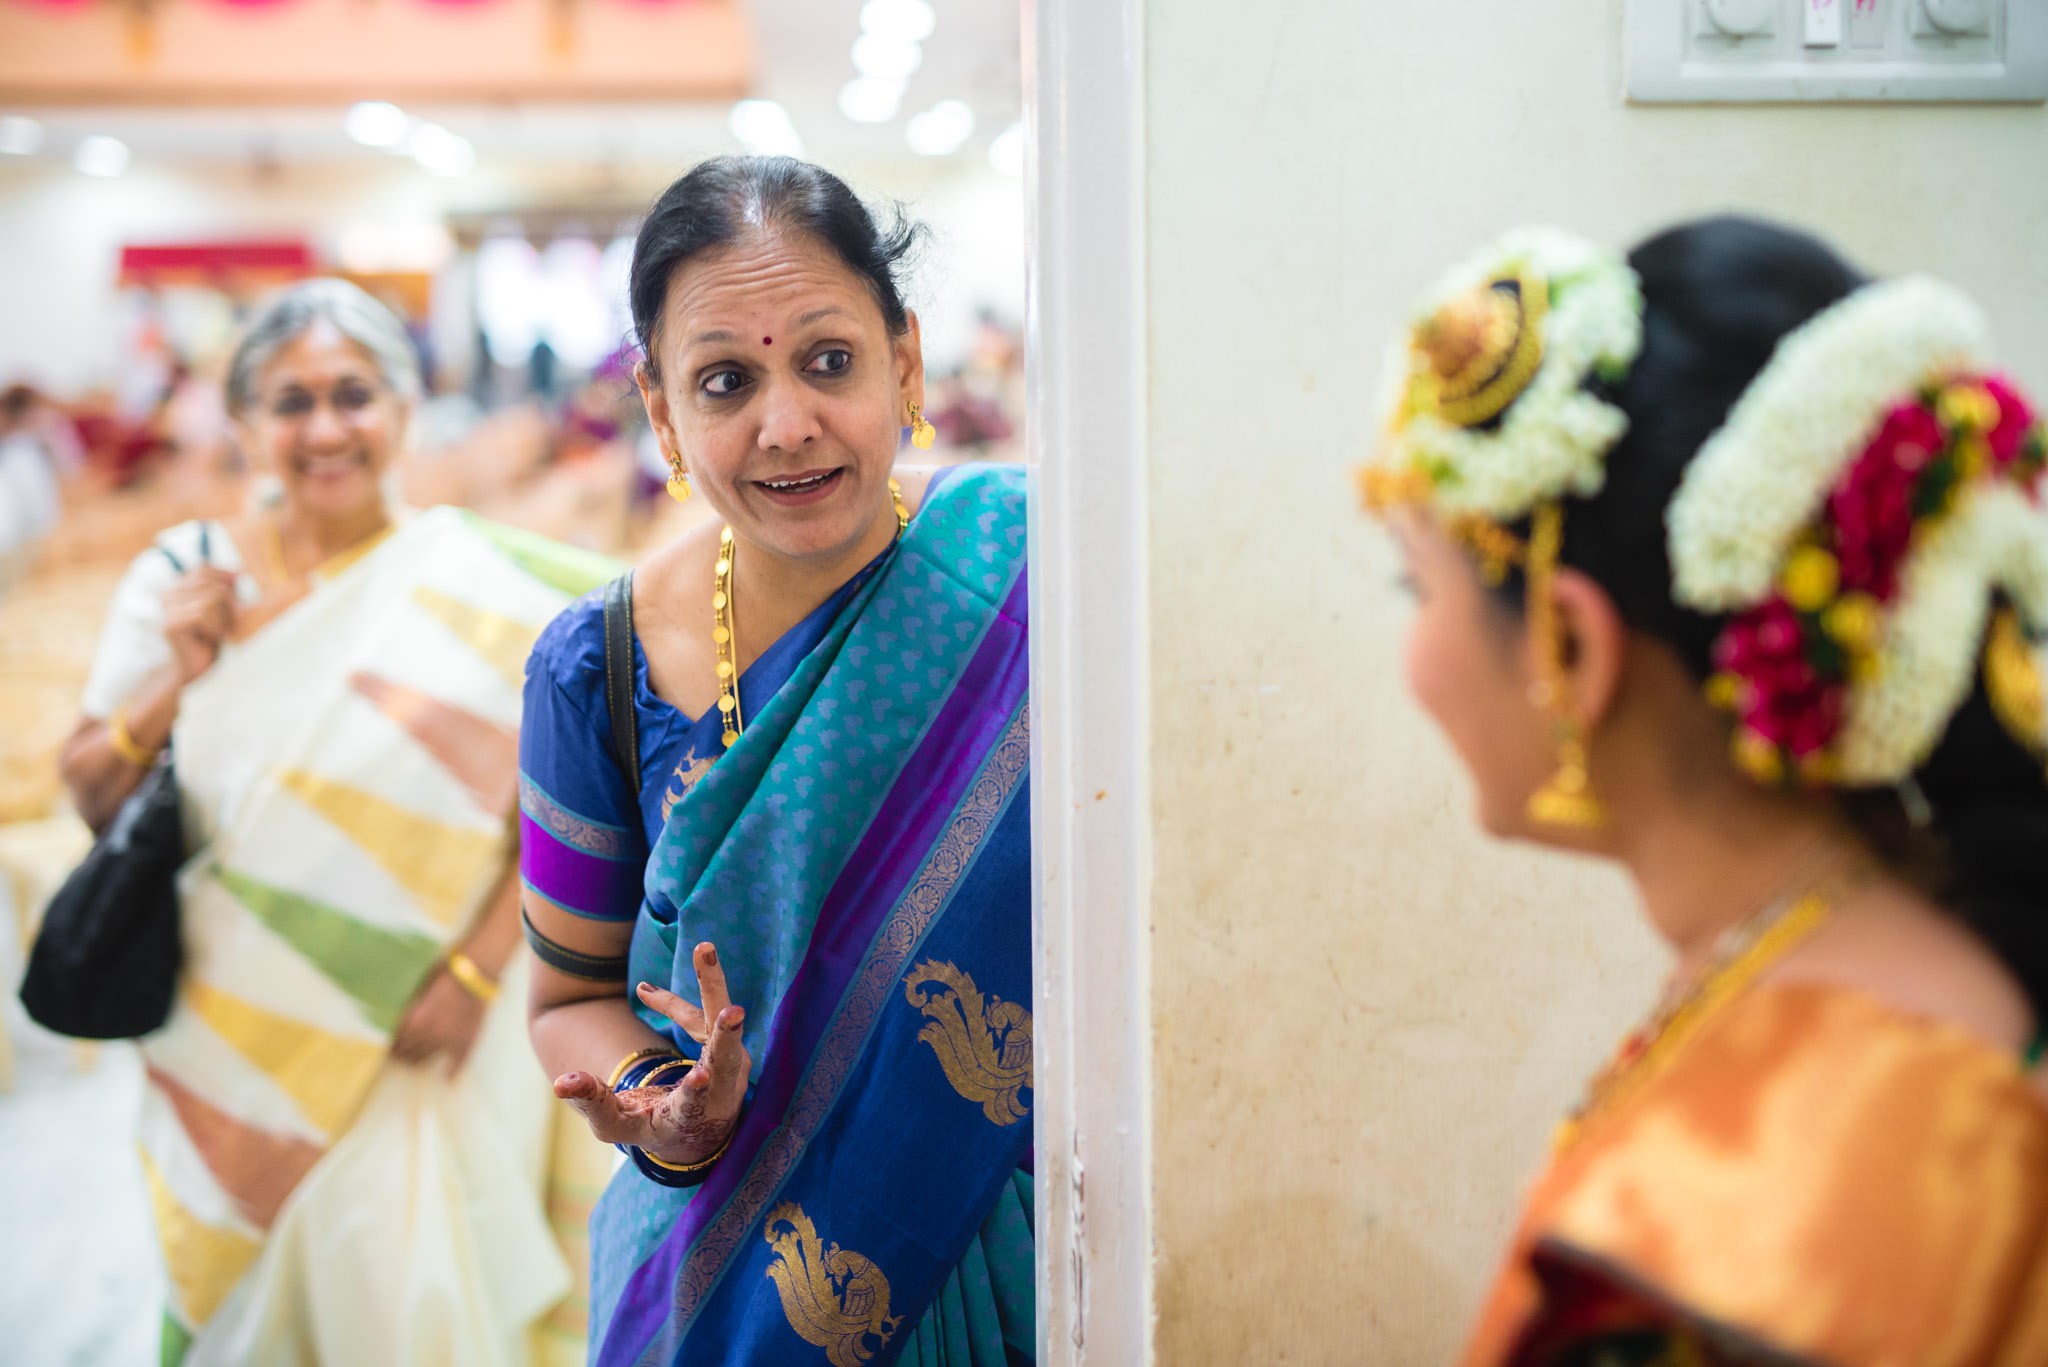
column 1732, row 566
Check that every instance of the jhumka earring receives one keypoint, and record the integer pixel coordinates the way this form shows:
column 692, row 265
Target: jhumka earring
column 1568, row 799
column 922, row 433
column 678, row 479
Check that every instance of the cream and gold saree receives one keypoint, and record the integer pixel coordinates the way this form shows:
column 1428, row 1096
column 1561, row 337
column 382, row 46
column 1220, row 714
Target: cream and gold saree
column 349, row 773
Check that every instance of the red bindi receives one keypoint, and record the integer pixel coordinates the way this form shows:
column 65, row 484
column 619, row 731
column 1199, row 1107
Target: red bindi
column 767, row 341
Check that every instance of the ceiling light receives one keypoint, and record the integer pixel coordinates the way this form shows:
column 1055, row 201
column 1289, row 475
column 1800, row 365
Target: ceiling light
column 886, row 59
column 20, row 137
column 1006, row 153
column 764, row 128
column 866, row 99
column 941, row 129
column 904, row 21
column 440, row 151
column 376, row 123
column 100, row 155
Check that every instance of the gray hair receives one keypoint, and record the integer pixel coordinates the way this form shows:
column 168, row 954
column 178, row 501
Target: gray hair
column 287, row 315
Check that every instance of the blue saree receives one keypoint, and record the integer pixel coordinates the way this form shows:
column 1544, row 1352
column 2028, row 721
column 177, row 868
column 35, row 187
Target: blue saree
column 861, row 859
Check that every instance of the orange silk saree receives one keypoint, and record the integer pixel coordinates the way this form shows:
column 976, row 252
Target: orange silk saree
column 1815, row 1178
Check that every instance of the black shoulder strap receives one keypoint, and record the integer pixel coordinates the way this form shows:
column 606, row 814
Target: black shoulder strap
column 618, row 680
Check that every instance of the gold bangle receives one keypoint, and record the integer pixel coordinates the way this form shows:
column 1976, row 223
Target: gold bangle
column 124, row 742
column 474, row 980
column 629, row 1060
column 686, row 1064
column 701, row 1163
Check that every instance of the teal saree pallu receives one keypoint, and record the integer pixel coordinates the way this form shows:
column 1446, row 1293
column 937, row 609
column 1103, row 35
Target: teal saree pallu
column 861, row 859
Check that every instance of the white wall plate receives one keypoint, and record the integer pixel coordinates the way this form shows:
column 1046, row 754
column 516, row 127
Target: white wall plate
column 1779, row 51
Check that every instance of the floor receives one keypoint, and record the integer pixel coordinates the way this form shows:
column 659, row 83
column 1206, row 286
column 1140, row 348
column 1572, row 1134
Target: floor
column 80, row 1280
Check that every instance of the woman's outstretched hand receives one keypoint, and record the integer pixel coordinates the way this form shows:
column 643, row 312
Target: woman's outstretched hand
column 690, row 1121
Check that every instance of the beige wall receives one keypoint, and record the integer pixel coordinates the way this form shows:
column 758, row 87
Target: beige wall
column 1366, row 1017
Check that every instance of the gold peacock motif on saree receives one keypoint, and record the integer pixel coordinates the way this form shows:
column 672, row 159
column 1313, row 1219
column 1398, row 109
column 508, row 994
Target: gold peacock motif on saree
column 685, row 777
column 835, row 1298
column 983, row 1044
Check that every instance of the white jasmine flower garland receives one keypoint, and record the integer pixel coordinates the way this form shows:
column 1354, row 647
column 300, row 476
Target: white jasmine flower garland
column 1995, row 539
column 1763, row 476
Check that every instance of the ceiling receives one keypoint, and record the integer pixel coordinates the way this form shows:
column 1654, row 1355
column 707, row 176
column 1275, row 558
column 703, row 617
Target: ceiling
column 804, row 57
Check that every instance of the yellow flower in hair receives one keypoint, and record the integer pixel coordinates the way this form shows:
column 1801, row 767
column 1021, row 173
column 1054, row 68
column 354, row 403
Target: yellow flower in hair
column 1855, row 621
column 1758, row 757
column 1810, row 579
column 1724, row 690
column 1968, row 406
column 1818, row 769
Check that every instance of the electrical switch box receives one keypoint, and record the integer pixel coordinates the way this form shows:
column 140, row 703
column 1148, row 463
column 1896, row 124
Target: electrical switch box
column 1777, row 51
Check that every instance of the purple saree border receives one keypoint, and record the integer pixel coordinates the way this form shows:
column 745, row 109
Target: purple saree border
column 981, row 715
column 585, row 884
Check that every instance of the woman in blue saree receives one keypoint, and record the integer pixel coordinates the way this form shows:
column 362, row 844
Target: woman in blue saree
column 817, row 881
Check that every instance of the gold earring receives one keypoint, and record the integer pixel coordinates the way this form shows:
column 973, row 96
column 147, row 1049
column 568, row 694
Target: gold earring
column 922, row 433
column 1568, row 799
column 678, row 479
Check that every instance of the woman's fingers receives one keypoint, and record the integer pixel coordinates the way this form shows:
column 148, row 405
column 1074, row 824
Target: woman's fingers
column 725, row 1056
column 690, row 1018
column 600, row 1109
column 203, row 604
column 408, row 1047
column 710, row 981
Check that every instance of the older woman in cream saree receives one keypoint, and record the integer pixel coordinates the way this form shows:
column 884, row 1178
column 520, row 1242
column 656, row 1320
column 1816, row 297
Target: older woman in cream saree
column 348, row 774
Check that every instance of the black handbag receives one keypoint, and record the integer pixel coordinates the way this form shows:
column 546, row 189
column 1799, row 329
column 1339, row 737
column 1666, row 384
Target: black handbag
column 106, row 957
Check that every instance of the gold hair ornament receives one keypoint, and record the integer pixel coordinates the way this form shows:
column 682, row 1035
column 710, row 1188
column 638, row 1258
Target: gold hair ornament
column 2013, row 681
column 1490, row 421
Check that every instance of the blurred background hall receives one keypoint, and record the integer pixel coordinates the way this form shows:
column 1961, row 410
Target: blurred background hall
column 479, row 167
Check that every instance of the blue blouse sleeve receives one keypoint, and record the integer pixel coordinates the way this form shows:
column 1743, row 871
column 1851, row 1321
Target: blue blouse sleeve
column 581, row 842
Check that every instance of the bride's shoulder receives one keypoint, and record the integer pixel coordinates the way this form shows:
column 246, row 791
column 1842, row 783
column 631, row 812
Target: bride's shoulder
column 1893, row 944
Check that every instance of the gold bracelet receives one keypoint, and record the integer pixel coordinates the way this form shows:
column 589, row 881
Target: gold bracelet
column 686, row 1064
column 124, row 742
column 629, row 1060
column 474, row 980
column 701, row 1163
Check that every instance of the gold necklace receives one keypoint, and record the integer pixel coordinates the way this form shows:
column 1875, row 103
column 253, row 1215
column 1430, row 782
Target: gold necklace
column 722, row 638
column 1743, row 955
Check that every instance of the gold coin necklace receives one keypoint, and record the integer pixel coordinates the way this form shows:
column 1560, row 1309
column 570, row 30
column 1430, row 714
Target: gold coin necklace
column 722, row 622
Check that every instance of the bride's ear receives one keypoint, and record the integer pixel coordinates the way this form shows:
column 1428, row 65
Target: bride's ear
column 1592, row 643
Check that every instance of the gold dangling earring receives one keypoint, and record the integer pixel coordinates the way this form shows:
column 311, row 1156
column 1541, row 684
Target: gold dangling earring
column 1568, row 799
column 678, row 479
column 922, row 433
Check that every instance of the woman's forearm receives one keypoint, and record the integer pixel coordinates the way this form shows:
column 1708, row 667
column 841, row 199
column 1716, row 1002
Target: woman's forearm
column 590, row 1035
column 495, row 937
column 98, row 776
